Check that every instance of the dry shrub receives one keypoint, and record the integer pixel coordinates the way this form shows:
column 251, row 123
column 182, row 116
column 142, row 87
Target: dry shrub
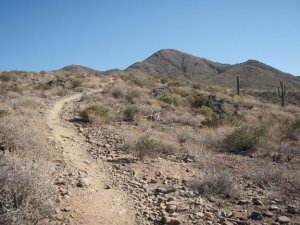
column 206, row 111
column 21, row 136
column 132, row 95
column 212, row 138
column 244, row 139
column 131, row 113
column 26, row 193
column 116, row 93
column 146, row 146
column 96, row 114
column 182, row 117
column 216, row 182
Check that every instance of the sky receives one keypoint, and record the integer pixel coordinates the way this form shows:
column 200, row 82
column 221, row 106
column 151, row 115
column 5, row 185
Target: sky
column 50, row 34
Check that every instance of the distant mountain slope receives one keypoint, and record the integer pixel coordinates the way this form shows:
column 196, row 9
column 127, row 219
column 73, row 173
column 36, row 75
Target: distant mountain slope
column 77, row 69
column 253, row 74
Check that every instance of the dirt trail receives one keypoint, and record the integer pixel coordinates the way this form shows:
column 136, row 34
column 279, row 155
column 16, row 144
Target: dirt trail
column 93, row 204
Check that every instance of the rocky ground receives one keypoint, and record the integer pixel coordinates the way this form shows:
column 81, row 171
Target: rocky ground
column 161, row 188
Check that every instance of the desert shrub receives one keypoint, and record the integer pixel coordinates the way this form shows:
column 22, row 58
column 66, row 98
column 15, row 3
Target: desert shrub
column 137, row 81
column 216, row 183
column 147, row 146
column 182, row 91
column 42, row 86
column 26, row 193
column 5, row 77
column 96, row 113
column 244, row 139
column 75, row 83
column 199, row 101
column 284, row 151
column 132, row 95
column 220, row 120
column 131, row 113
column 167, row 99
column 182, row 136
column 174, row 82
column 295, row 124
column 293, row 130
column 206, row 111
column 20, row 136
column 163, row 80
column 116, row 93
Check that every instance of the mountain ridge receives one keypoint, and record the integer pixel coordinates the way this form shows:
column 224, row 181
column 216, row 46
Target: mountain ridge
column 173, row 63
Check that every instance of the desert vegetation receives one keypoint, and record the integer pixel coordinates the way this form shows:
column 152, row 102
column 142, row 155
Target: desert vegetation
column 161, row 140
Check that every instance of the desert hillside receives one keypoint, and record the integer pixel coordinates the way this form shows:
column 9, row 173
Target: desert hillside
column 79, row 146
column 253, row 74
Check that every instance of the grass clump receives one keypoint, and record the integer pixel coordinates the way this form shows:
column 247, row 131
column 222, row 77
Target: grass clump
column 116, row 93
column 199, row 101
column 131, row 113
column 147, row 146
column 244, row 139
column 96, row 113
column 206, row 111
column 132, row 95
column 167, row 99
column 217, row 183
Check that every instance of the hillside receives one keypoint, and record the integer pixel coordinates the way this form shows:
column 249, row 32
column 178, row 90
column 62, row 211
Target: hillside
column 253, row 74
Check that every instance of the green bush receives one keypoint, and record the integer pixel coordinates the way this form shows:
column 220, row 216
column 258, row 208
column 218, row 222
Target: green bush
column 116, row 93
column 145, row 146
column 96, row 113
column 130, row 113
column 167, row 99
column 244, row 139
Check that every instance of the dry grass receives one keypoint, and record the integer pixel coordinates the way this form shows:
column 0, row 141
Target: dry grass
column 26, row 193
column 216, row 183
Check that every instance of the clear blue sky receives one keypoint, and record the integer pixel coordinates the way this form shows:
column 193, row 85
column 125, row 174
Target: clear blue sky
column 49, row 34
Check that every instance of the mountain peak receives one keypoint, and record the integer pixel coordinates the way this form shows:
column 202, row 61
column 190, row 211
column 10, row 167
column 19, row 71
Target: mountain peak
column 173, row 63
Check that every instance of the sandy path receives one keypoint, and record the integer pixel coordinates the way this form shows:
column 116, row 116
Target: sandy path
column 93, row 204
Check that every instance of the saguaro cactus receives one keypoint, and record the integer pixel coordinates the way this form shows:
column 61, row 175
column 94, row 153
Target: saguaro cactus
column 282, row 92
column 238, row 84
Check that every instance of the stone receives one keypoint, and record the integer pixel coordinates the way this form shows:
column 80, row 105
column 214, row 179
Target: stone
column 170, row 221
column 274, row 208
column 67, row 209
column 243, row 202
column 283, row 220
column 181, row 208
column 82, row 182
column 106, row 187
column 292, row 209
column 256, row 216
column 171, row 208
column 257, row 201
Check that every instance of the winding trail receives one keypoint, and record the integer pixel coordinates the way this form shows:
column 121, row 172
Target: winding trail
column 93, row 205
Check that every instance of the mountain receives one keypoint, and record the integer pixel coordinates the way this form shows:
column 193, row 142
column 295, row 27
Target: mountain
column 253, row 74
column 77, row 69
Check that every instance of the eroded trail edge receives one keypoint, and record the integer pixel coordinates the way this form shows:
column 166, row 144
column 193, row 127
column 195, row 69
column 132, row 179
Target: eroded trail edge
column 91, row 204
